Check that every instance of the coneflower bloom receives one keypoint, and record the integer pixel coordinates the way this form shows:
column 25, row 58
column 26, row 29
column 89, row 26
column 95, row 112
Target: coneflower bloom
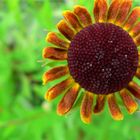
column 103, row 60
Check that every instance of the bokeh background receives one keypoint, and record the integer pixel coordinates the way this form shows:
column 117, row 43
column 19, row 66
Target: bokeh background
column 24, row 114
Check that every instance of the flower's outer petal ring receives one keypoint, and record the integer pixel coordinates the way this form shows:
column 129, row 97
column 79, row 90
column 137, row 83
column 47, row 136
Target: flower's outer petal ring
column 72, row 20
column 83, row 15
column 135, row 30
column 65, row 29
column 54, row 39
column 68, row 100
column 138, row 73
column 128, row 101
column 133, row 17
column 54, row 74
column 100, row 103
column 100, row 10
column 54, row 53
column 138, row 60
column 113, row 10
column 134, row 89
column 137, row 40
column 114, row 108
column 58, row 89
column 123, row 12
column 86, row 107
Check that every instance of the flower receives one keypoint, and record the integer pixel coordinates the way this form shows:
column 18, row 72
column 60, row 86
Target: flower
column 103, row 61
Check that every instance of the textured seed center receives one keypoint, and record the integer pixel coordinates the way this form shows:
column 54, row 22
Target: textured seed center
column 102, row 58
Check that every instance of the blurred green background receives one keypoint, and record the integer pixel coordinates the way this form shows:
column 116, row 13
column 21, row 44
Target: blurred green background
column 24, row 114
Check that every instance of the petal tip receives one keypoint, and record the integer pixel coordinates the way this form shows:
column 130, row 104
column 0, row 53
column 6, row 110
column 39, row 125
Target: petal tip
column 48, row 36
column 60, row 23
column 59, row 112
column 47, row 97
column 133, row 109
column 66, row 12
column 78, row 6
column 118, row 117
column 86, row 120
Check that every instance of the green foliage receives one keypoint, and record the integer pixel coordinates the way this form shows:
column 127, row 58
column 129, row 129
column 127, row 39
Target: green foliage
column 24, row 114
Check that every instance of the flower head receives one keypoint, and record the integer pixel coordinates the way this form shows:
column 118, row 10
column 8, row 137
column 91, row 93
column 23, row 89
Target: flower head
column 102, row 58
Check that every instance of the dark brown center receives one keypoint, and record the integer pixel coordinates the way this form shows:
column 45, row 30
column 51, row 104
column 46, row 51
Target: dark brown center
column 102, row 58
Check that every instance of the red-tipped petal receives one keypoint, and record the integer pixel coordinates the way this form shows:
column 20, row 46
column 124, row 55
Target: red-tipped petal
column 55, row 73
column 138, row 60
column 68, row 100
column 134, row 89
column 114, row 108
column 54, row 53
column 100, row 102
column 133, row 17
column 128, row 101
column 123, row 12
column 83, row 15
column 54, row 39
column 58, row 89
column 100, row 10
column 137, row 40
column 138, row 73
column 135, row 30
column 64, row 28
column 113, row 10
column 72, row 20
column 86, row 107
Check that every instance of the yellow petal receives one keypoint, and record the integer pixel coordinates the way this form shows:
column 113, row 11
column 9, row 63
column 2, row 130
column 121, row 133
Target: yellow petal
column 54, row 53
column 68, row 100
column 54, row 39
column 133, row 17
column 123, row 12
column 135, row 30
column 100, row 10
column 137, row 40
column 58, row 89
column 55, row 73
column 65, row 29
column 114, row 108
column 134, row 89
column 100, row 102
column 83, row 15
column 113, row 10
column 128, row 101
column 86, row 107
column 72, row 20
column 138, row 73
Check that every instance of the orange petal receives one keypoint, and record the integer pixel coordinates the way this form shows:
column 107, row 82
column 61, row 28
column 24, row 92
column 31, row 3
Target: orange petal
column 86, row 107
column 123, row 12
column 134, row 89
column 54, row 73
column 58, row 89
column 137, row 40
column 135, row 30
column 100, row 102
column 113, row 10
column 54, row 53
column 114, row 108
column 128, row 101
column 100, row 10
column 133, row 17
column 64, row 28
column 72, row 20
column 138, row 60
column 68, row 100
column 83, row 15
column 138, row 73
column 54, row 39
